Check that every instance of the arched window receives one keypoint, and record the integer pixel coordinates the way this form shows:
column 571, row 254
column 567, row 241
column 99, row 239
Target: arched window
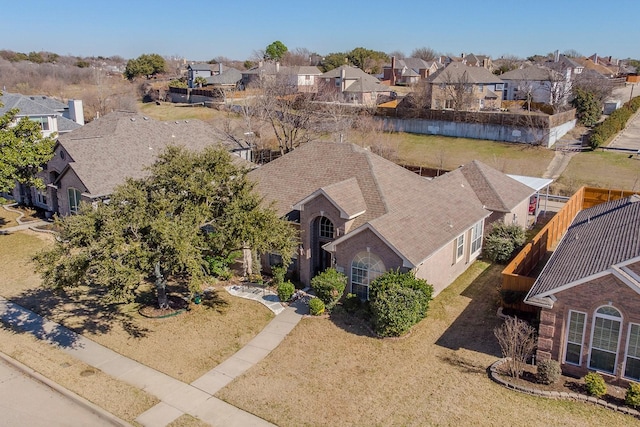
column 74, row 199
column 326, row 228
column 365, row 267
column 604, row 339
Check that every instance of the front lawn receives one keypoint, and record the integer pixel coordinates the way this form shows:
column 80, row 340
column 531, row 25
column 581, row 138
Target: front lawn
column 331, row 371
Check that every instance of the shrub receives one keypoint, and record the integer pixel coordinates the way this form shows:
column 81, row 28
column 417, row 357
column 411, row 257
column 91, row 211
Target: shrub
column 502, row 241
column 549, row 371
column 398, row 301
column 285, row 290
column 329, row 286
column 316, row 306
column 219, row 265
column 278, row 272
column 595, row 384
column 351, row 303
column 517, row 341
column 632, row 398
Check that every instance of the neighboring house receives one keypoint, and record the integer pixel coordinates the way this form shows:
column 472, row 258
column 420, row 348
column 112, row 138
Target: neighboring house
column 352, row 85
column 364, row 215
column 203, row 70
column 263, row 71
column 589, row 293
column 408, row 71
column 508, row 199
column 534, row 83
column 229, row 78
column 601, row 69
column 90, row 162
column 302, row 78
column 52, row 115
column 566, row 66
column 461, row 87
column 478, row 61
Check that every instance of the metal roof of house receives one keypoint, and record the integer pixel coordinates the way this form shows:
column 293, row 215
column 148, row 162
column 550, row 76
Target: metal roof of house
column 532, row 181
column 598, row 239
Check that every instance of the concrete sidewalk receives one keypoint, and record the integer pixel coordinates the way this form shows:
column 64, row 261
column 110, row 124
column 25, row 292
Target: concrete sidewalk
column 176, row 397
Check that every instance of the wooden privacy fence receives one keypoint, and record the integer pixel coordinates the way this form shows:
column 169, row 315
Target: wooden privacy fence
column 515, row 276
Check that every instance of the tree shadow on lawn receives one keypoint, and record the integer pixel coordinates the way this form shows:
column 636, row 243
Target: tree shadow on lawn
column 81, row 311
column 473, row 328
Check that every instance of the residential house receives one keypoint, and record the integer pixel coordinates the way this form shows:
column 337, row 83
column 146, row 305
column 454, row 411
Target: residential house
column 473, row 60
column 256, row 75
column 204, row 70
column 603, row 70
column 408, row 71
column 303, row 78
column 91, row 161
column 589, row 294
column 461, row 87
column 352, row 85
column 536, row 84
column 229, row 78
column 568, row 67
column 364, row 215
column 54, row 117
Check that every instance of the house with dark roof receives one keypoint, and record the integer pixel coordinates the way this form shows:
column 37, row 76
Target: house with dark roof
column 461, row 87
column 352, row 85
column 534, row 83
column 408, row 71
column 364, row 215
column 90, row 162
column 297, row 78
column 202, row 69
column 54, row 117
column 589, row 293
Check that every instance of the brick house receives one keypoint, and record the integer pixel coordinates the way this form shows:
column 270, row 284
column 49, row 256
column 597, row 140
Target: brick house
column 352, row 85
column 465, row 88
column 589, row 293
column 364, row 215
column 91, row 161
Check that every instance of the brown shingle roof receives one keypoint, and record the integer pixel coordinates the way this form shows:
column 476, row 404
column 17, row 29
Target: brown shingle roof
column 120, row 145
column 497, row 191
column 414, row 215
column 457, row 72
column 598, row 238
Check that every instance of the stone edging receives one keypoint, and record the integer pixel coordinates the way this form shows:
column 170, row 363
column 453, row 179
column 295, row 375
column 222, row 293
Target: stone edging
column 493, row 374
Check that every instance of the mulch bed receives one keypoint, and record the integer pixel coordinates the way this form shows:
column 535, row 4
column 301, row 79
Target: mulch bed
column 177, row 305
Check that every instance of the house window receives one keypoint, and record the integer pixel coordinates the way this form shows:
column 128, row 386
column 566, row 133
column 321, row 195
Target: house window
column 326, row 228
column 41, row 197
column 365, row 268
column 632, row 362
column 74, row 199
column 476, row 237
column 480, row 87
column 459, row 247
column 499, row 86
column 42, row 121
column 604, row 341
column 449, row 104
column 575, row 337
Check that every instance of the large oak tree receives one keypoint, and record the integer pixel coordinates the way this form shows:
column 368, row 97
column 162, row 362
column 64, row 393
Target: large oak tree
column 192, row 205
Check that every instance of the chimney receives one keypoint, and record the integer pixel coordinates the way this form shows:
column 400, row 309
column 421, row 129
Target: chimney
column 556, row 56
column 595, row 58
column 392, row 79
column 76, row 112
column 220, row 68
column 343, row 76
column 462, row 55
column 277, row 67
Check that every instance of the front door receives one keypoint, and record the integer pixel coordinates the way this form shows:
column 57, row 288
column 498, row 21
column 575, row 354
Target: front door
column 323, row 232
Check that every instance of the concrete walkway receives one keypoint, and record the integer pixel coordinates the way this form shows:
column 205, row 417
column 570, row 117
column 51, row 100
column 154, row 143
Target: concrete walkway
column 22, row 225
column 176, row 397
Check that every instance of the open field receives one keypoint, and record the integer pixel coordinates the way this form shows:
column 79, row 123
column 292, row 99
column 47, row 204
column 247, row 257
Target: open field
column 605, row 169
column 331, row 371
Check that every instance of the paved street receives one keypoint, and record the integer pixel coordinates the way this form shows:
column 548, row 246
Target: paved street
column 629, row 137
column 27, row 402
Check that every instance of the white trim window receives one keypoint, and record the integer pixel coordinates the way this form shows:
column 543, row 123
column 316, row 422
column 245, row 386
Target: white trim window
column 459, row 247
column 605, row 336
column 476, row 237
column 325, row 228
column 575, row 337
column 365, row 268
column 632, row 361
column 74, row 199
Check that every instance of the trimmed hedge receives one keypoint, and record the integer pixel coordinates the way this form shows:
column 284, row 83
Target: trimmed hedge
column 502, row 242
column 549, row 371
column 595, row 384
column 316, row 306
column 614, row 123
column 632, row 397
column 285, row 291
column 329, row 286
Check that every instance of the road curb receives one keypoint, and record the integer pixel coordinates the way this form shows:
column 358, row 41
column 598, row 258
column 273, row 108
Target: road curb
column 107, row 416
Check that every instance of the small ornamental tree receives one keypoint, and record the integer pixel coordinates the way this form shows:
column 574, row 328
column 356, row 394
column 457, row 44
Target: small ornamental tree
column 588, row 109
column 595, row 384
column 502, row 241
column 329, row 286
column 398, row 301
column 517, row 341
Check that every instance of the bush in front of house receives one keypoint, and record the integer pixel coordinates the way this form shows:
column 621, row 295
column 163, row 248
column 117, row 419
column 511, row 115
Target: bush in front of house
column 632, row 397
column 351, row 303
column 285, row 291
column 398, row 301
column 595, row 384
column 329, row 286
column 549, row 371
column 278, row 272
column 502, row 241
column 316, row 306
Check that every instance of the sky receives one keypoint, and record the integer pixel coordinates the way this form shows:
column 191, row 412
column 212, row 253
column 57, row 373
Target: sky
column 200, row 30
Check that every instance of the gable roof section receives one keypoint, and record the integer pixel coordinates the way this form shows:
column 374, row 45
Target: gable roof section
column 413, row 215
column 457, row 72
column 345, row 195
column 532, row 73
column 228, row 77
column 599, row 239
column 497, row 191
column 351, row 73
column 30, row 105
column 121, row 145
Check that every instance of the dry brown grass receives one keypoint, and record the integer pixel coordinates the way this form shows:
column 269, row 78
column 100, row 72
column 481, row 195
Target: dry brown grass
column 7, row 218
column 187, row 420
column 123, row 400
column 330, row 371
column 184, row 347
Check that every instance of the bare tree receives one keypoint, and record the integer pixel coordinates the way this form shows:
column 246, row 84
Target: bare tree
column 517, row 341
column 458, row 90
column 397, row 53
column 297, row 56
column 425, row 53
column 590, row 81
